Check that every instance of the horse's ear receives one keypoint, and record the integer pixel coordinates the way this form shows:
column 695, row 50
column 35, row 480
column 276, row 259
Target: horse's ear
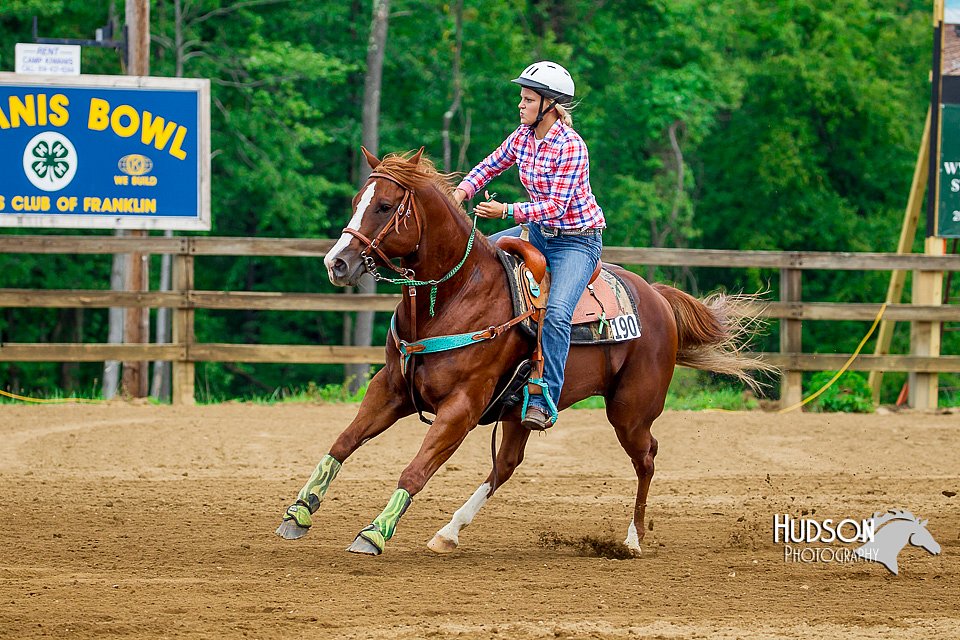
column 371, row 159
column 415, row 160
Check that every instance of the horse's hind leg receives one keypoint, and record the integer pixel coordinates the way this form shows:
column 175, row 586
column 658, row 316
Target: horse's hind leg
column 633, row 432
column 508, row 458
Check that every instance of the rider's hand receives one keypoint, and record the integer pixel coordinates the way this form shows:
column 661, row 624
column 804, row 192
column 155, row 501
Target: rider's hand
column 490, row 209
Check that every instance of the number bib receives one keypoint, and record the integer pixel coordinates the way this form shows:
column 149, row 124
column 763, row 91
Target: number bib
column 624, row 327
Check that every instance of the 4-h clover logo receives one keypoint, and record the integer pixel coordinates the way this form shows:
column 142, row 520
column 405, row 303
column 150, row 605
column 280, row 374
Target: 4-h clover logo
column 50, row 161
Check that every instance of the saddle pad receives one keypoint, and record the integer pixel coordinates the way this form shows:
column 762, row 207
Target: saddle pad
column 613, row 301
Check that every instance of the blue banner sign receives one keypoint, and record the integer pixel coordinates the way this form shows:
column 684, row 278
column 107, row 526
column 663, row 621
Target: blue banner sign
column 104, row 152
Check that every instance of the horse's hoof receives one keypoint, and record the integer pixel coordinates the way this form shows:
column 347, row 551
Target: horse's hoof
column 439, row 544
column 296, row 521
column 634, row 548
column 364, row 546
column 369, row 542
column 290, row 530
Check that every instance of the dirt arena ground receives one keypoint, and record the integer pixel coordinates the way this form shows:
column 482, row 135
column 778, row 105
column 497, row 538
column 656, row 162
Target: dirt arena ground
column 157, row 522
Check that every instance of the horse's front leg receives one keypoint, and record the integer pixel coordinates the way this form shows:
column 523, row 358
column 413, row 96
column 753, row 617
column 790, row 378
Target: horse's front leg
column 382, row 406
column 455, row 418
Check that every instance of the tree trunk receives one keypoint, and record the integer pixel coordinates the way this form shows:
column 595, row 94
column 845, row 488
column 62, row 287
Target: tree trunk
column 111, row 368
column 137, row 321
column 160, row 384
column 358, row 374
column 457, row 86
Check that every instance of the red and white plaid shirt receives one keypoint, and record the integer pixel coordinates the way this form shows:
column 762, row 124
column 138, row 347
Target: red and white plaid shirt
column 556, row 174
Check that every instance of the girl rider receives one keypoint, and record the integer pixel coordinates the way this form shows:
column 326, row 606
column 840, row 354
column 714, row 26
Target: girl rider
column 564, row 220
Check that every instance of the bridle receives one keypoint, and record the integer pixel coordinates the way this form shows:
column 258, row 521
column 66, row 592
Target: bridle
column 406, row 208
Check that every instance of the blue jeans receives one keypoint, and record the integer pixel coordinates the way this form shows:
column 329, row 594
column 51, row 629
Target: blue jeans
column 572, row 260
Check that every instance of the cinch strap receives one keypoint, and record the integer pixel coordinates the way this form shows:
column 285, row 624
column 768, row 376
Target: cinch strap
column 446, row 343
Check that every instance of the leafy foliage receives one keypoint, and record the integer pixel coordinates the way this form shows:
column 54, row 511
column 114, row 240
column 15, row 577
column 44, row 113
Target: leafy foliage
column 849, row 394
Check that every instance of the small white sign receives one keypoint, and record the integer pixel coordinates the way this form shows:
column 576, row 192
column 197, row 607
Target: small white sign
column 624, row 327
column 951, row 12
column 48, row 59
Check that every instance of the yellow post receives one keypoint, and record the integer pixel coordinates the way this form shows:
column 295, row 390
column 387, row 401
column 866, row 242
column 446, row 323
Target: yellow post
column 925, row 336
column 908, row 231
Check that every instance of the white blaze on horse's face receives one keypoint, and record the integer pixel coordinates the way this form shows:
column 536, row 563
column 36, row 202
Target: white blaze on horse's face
column 354, row 224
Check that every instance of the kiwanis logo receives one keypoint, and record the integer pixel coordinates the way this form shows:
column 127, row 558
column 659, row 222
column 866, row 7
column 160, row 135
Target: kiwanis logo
column 50, row 161
column 135, row 164
column 882, row 538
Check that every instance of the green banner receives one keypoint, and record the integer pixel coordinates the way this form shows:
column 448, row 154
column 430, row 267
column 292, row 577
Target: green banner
column 948, row 212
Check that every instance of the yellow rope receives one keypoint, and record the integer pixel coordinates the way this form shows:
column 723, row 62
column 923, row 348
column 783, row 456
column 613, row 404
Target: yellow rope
column 47, row 401
column 846, row 365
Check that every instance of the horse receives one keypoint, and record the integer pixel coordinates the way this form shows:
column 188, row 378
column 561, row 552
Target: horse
column 406, row 211
column 898, row 528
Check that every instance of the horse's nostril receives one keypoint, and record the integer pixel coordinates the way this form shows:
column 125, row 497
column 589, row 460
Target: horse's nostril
column 339, row 267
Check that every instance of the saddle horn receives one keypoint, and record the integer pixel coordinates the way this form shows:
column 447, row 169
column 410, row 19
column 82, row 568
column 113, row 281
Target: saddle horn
column 372, row 160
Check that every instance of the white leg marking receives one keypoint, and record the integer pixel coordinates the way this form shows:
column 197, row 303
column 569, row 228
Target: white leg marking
column 354, row 224
column 633, row 540
column 465, row 514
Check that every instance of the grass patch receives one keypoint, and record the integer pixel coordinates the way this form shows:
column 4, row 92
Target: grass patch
column 724, row 399
column 50, row 397
column 691, row 391
column 313, row 393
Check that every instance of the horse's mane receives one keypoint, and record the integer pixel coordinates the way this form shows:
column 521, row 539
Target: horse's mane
column 425, row 173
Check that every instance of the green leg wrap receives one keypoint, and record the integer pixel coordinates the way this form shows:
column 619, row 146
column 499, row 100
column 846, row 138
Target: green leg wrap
column 316, row 487
column 310, row 497
column 386, row 522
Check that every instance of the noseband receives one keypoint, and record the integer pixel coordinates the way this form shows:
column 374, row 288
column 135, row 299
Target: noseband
column 406, row 208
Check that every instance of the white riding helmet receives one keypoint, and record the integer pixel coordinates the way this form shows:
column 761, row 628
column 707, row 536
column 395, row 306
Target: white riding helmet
column 549, row 79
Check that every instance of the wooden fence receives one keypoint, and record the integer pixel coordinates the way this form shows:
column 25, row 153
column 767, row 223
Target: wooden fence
column 183, row 299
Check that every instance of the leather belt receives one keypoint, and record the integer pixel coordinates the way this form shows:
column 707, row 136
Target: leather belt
column 553, row 232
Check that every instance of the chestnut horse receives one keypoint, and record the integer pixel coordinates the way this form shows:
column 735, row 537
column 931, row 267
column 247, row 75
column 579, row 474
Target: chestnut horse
column 406, row 210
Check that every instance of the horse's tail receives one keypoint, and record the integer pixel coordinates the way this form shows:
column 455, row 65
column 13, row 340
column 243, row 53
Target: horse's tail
column 712, row 333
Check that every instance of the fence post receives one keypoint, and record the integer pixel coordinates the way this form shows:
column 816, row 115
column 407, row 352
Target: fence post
column 925, row 336
column 182, row 387
column 791, row 331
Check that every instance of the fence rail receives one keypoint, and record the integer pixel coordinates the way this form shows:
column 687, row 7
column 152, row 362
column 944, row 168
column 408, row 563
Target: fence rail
column 184, row 300
column 317, row 248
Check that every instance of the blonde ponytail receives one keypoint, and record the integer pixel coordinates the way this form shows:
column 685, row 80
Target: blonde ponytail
column 565, row 116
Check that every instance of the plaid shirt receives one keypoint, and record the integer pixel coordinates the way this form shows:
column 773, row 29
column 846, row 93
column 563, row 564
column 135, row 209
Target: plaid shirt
column 556, row 175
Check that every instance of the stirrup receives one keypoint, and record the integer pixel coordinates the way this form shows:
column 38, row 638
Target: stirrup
column 545, row 392
column 536, row 419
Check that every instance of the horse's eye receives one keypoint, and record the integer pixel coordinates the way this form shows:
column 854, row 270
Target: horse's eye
column 383, row 208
